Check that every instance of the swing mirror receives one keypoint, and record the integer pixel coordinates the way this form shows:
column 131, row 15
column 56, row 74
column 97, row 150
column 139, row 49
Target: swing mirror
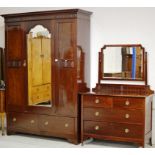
column 122, row 62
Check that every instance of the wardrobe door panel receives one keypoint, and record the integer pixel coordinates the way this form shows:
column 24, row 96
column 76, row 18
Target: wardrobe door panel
column 66, row 39
column 15, row 93
column 14, row 36
column 65, row 72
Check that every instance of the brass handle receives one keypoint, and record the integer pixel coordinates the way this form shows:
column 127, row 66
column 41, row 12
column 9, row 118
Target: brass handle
column 24, row 63
column 97, row 113
column 66, row 125
column 46, row 123
column 126, row 130
column 97, row 127
column 97, row 100
column 14, row 119
column 127, row 115
column 32, row 121
column 127, row 103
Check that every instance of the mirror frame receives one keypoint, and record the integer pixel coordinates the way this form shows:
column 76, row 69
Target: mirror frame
column 101, row 63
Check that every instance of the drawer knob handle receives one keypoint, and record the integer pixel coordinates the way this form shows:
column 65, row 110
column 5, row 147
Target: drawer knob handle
column 66, row 125
column 97, row 127
column 32, row 121
column 127, row 103
column 126, row 130
column 14, row 119
column 97, row 101
column 127, row 115
column 97, row 113
column 46, row 123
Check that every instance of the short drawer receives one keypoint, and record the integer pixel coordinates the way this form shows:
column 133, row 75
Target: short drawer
column 97, row 101
column 117, row 115
column 113, row 129
column 53, row 124
column 128, row 103
column 22, row 121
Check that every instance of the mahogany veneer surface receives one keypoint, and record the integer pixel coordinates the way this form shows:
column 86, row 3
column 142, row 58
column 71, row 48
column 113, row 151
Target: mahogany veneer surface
column 111, row 114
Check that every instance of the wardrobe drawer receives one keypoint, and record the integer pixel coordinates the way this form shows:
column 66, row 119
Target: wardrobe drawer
column 101, row 114
column 113, row 129
column 41, row 88
column 129, row 103
column 53, row 124
column 23, row 121
column 97, row 101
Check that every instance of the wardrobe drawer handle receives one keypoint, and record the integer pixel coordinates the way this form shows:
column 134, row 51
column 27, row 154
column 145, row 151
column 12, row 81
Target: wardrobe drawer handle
column 97, row 100
column 126, row 130
column 97, row 113
column 32, row 121
column 127, row 115
column 46, row 123
column 127, row 103
column 66, row 125
column 97, row 127
column 14, row 119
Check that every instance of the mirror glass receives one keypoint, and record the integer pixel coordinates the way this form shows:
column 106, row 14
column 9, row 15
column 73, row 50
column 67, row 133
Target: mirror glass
column 123, row 63
column 39, row 67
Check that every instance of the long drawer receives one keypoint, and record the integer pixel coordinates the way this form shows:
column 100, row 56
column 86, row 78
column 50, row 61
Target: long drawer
column 41, row 88
column 113, row 129
column 111, row 115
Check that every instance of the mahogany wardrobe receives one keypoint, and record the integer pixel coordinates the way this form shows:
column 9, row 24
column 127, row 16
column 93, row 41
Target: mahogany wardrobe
column 45, row 53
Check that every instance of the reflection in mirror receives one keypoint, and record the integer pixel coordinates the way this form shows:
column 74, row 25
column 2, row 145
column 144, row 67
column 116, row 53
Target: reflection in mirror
column 80, row 64
column 39, row 66
column 123, row 63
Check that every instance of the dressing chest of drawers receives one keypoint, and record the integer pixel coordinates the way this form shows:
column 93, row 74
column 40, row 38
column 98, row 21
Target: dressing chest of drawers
column 119, row 112
column 117, row 117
